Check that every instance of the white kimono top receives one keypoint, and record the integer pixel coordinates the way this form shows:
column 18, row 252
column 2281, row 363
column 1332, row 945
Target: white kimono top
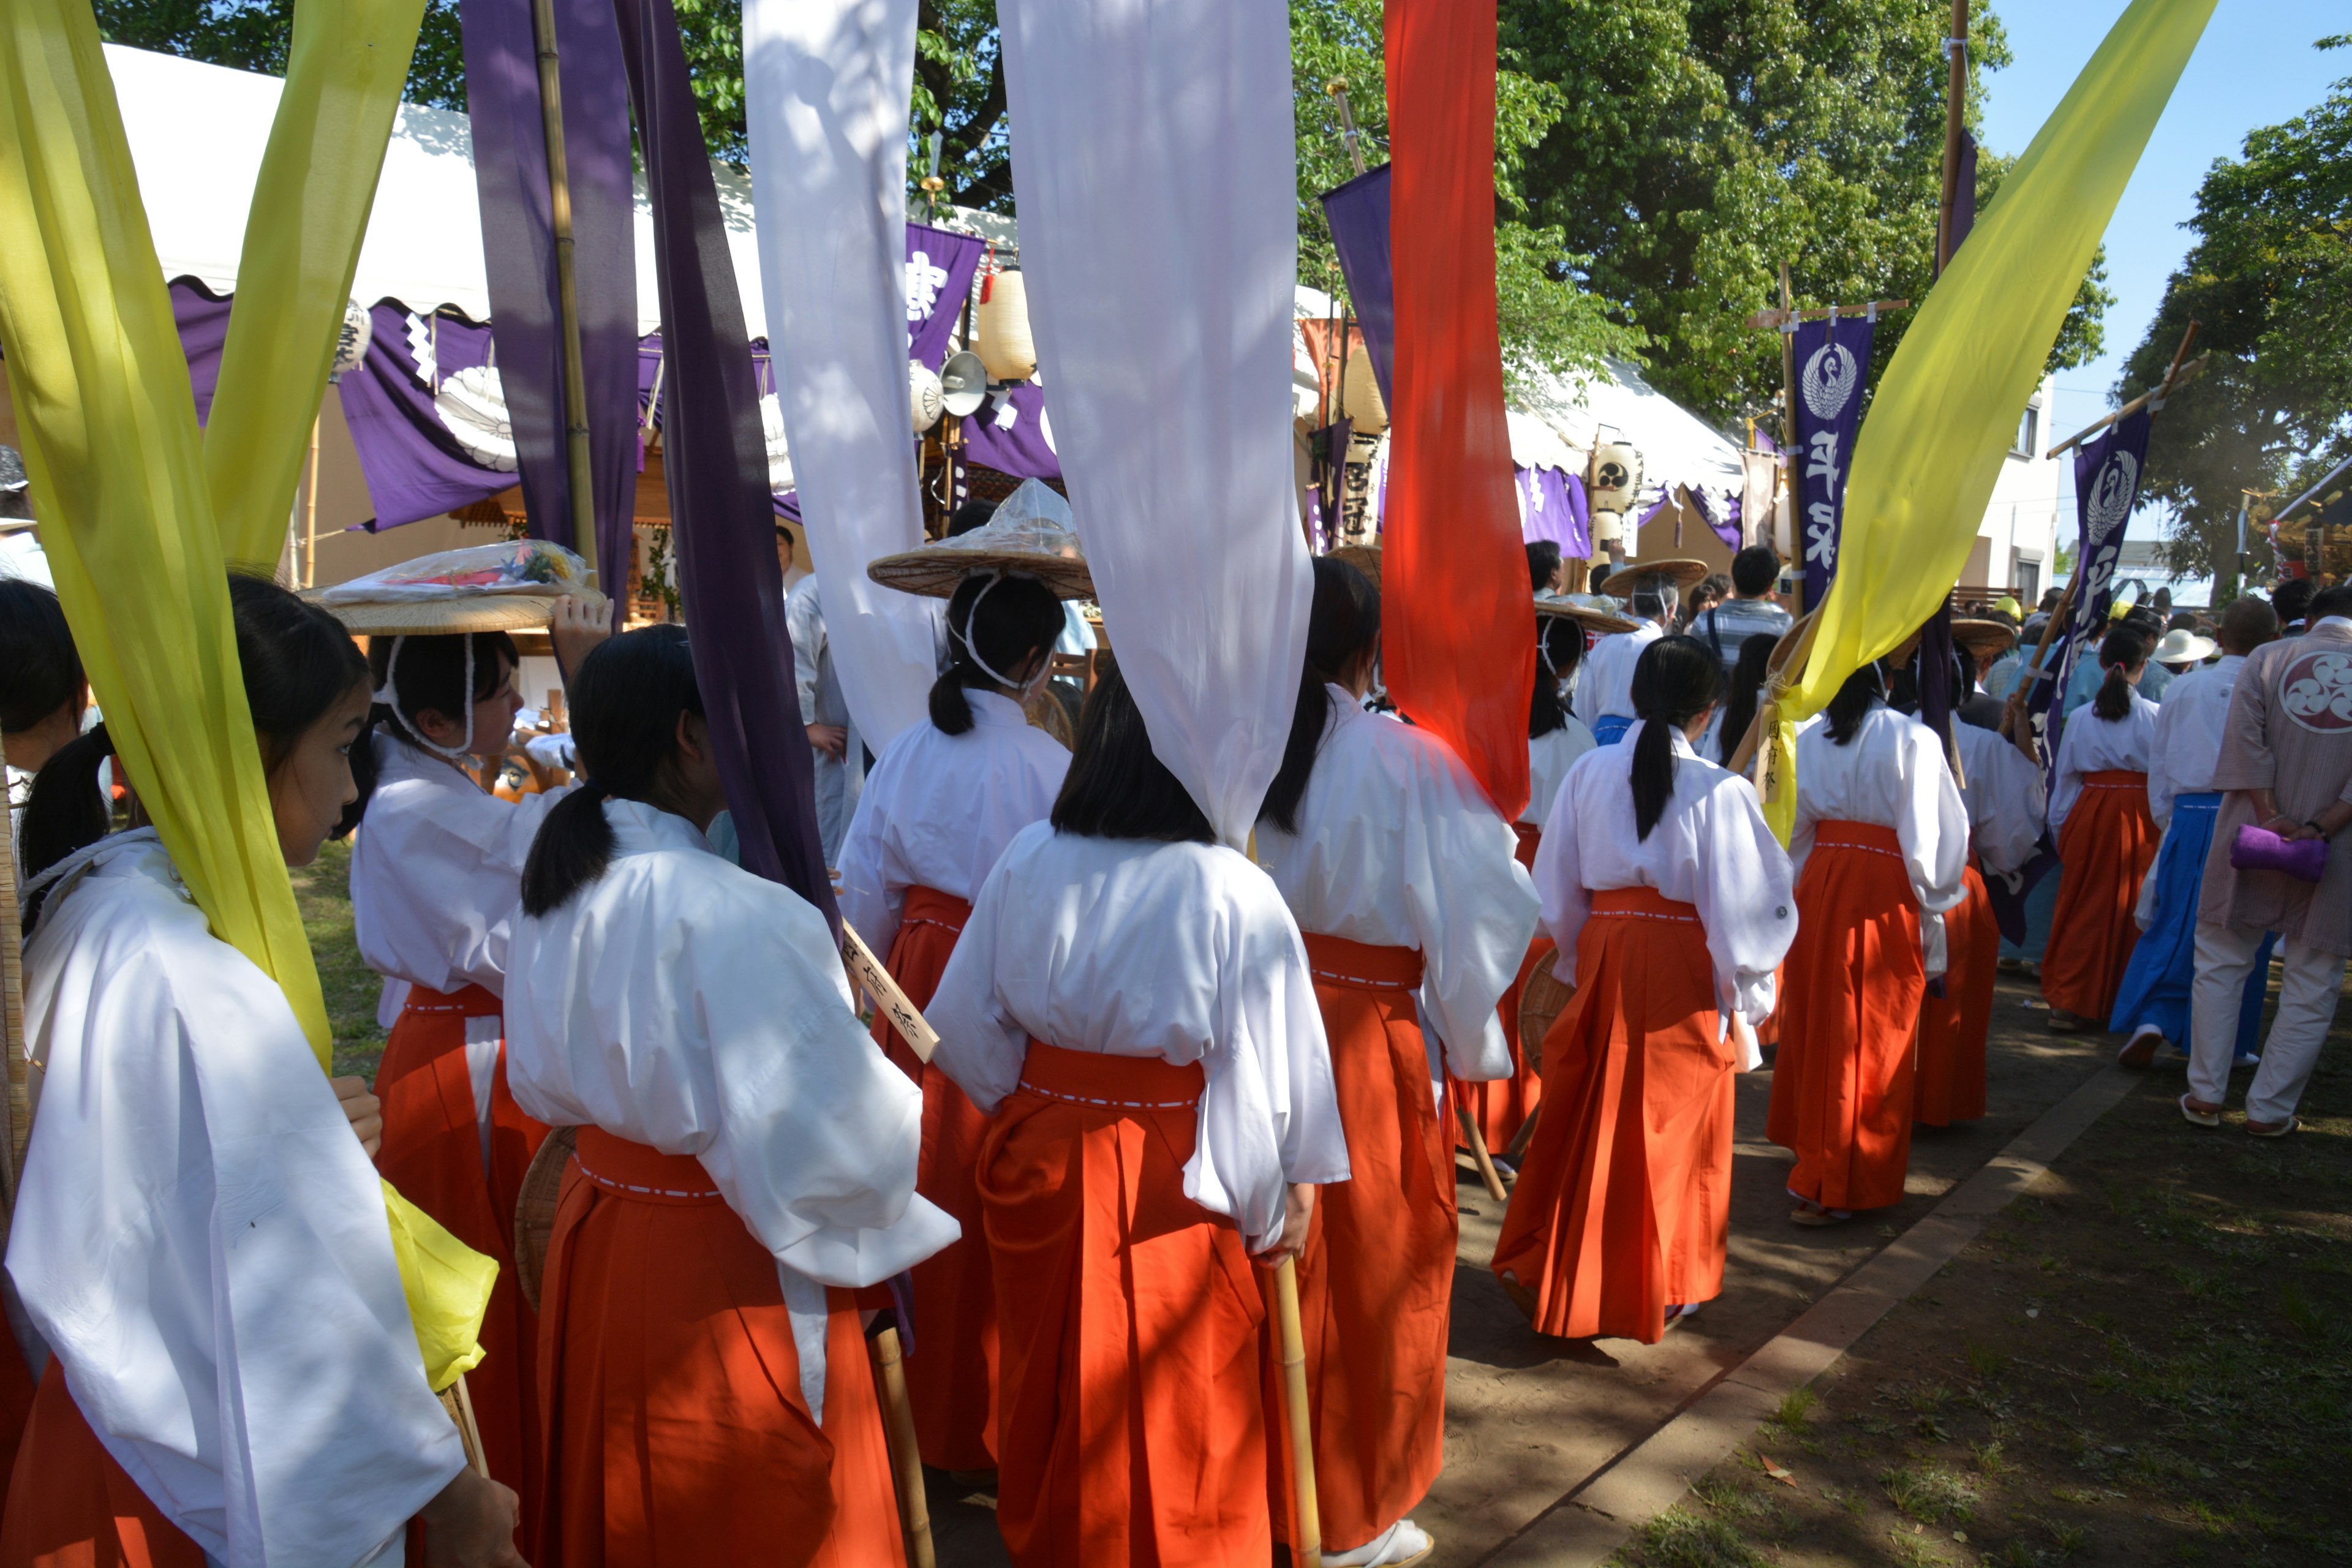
column 1398, row 847
column 1179, row 951
column 436, row 872
column 2187, row 744
column 2091, row 744
column 1549, row 759
column 817, row 685
column 1893, row 774
column 1711, row 849
column 681, row 1003
column 202, row 1240
column 2004, row 796
column 1606, row 685
column 939, row 809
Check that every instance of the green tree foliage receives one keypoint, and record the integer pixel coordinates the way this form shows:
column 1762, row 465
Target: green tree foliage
column 2269, row 280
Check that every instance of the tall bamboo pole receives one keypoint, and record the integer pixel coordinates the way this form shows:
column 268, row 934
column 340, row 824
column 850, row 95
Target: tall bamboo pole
column 311, row 513
column 12, row 1035
column 1956, row 49
column 567, row 288
column 1307, row 1540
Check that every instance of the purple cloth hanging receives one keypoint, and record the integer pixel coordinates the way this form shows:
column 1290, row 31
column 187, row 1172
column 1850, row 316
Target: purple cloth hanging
column 939, row 268
column 202, row 316
column 1012, row 433
column 413, row 465
column 519, row 249
column 717, row 470
column 1358, row 212
column 1832, row 361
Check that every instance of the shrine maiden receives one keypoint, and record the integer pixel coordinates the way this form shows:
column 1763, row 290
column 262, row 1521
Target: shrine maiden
column 1416, row 917
column 198, row 1236
column 2106, row 839
column 1130, row 1004
column 746, row 1160
column 1881, row 849
column 1672, row 904
column 937, row 812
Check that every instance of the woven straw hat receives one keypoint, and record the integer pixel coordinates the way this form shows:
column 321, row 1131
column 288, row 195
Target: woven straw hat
column 1598, row 618
column 1984, row 639
column 1681, row 572
column 1030, row 535
column 502, row 587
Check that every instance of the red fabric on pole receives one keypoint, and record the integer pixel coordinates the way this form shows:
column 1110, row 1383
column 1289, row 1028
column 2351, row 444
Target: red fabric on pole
column 1453, row 561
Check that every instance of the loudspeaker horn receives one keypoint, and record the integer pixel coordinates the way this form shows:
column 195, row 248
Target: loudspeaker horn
column 963, row 383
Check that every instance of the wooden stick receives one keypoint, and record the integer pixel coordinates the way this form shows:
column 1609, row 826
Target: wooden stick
column 567, row 286
column 1795, row 647
column 1769, row 319
column 460, row 1407
column 1308, row 1544
column 1955, row 99
column 1525, row 1134
column 19, row 1126
column 1789, row 390
column 311, row 512
column 906, row 1453
column 2181, row 377
column 1478, row 1140
column 867, row 971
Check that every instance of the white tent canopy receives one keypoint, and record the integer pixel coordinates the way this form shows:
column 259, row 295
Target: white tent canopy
column 197, row 133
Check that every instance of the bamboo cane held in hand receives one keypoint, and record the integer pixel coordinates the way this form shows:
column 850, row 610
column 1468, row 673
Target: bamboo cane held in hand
column 1478, row 1140
column 867, row 971
column 460, row 1407
column 1308, row 1536
column 906, row 1453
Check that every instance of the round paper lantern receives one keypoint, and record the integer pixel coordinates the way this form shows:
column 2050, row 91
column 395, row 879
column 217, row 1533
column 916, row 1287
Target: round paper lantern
column 926, row 393
column 1359, row 395
column 1616, row 476
column 1005, row 346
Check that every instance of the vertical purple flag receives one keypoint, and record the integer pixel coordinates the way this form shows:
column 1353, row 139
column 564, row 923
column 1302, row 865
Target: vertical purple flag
column 716, row 463
column 1358, row 214
column 519, row 249
column 2107, row 489
column 940, row 265
column 1832, row 358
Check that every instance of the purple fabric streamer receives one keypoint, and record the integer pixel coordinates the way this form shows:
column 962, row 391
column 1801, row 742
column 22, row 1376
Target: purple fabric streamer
column 202, row 316
column 1964, row 197
column 2106, row 491
column 717, row 470
column 1832, row 361
column 1555, row 510
column 519, row 249
column 1358, row 212
column 1012, row 433
column 414, row 467
column 939, row 268
column 1726, row 524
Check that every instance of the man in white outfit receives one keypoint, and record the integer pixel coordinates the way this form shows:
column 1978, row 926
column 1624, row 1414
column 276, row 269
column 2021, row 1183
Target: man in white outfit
column 834, row 743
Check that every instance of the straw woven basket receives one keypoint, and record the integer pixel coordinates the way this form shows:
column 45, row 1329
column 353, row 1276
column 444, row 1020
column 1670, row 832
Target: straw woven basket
column 1681, row 572
column 1591, row 618
column 442, row 617
column 1984, row 639
column 534, row 1225
column 935, row 572
column 1543, row 998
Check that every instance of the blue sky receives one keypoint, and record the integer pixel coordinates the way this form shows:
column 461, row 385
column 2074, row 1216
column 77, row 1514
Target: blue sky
column 2255, row 67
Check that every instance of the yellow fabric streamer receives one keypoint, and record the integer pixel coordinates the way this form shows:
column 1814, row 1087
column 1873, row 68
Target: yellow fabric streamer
column 302, row 239
column 1930, row 452
column 108, row 422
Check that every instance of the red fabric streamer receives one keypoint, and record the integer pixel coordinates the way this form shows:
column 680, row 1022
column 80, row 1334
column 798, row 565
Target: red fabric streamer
column 1453, row 566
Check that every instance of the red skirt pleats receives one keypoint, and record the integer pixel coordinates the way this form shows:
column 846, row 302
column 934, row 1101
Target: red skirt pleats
column 1500, row 1107
column 2106, row 846
column 433, row 1153
column 71, row 1506
column 1953, row 1028
column 951, row 1370
column 675, row 1431
column 1841, row 1085
column 1376, row 1280
column 1623, row 1203
column 1131, row 1428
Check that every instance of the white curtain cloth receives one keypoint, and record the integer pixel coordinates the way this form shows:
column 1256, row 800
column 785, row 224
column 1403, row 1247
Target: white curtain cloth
column 1152, row 158
column 826, row 84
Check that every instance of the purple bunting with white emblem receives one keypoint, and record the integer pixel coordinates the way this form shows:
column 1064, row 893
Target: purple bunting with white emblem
column 939, row 268
column 2107, row 489
column 1832, row 357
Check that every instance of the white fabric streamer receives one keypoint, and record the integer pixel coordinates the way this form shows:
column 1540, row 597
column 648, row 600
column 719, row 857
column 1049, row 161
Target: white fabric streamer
column 1152, row 155
column 826, row 84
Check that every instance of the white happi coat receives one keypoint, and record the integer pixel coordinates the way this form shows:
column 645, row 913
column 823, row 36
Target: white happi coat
column 2189, row 723
column 2004, row 796
column 1607, row 686
column 1179, row 952
column 202, row 1241
column 939, row 809
column 1549, row 759
column 2091, row 744
column 818, row 687
column 1891, row 773
column 1398, row 847
column 1711, row 850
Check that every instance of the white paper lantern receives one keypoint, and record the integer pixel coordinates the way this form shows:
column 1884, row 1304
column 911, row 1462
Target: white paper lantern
column 1359, row 395
column 1003, row 328
column 926, row 393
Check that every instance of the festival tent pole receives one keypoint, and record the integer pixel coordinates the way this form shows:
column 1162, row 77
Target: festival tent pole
column 567, row 292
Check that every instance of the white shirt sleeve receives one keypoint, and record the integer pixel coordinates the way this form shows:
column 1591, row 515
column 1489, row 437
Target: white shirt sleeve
column 982, row 1045
column 1747, row 897
column 2171, row 719
column 2067, row 788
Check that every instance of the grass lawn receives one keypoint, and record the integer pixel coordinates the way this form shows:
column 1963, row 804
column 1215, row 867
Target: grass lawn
column 322, row 891
column 2146, row 1361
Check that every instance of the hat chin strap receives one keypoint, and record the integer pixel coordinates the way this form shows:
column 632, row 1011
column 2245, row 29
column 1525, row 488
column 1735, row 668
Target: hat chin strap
column 390, row 697
column 963, row 634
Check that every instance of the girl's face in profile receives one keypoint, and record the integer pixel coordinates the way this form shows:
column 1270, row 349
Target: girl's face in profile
column 312, row 781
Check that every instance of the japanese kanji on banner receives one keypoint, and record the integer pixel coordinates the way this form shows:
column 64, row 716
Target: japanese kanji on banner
column 1833, row 358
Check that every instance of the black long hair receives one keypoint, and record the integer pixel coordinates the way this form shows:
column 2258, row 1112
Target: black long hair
column 429, row 675
column 1001, row 621
column 40, row 671
column 625, row 700
column 2124, row 650
column 1559, row 647
column 1862, row 691
column 1747, row 678
column 1116, row 787
column 297, row 661
column 1344, row 624
column 1676, row 679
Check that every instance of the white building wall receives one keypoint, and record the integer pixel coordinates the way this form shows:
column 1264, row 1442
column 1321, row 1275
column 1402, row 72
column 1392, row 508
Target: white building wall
column 2030, row 511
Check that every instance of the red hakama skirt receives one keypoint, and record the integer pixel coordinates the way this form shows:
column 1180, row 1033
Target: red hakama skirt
column 1500, row 1107
column 71, row 1506
column 2106, row 847
column 1953, row 1026
column 1623, row 1204
column 951, row 1370
column 1376, row 1280
column 1842, row 1086
column 1131, row 1428
column 433, row 1152
column 674, row 1433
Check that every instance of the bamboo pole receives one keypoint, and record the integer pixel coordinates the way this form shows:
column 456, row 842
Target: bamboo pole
column 1772, row 320
column 1478, row 1140
column 460, row 1407
column 311, row 513
column 1525, row 1134
column 567, row 286
column 11, row 1033
column 2178, row 376
column 1956, row 102
column 1307, row 1538
column 906, row 1453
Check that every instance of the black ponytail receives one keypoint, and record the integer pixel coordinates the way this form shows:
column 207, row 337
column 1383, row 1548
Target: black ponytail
column 1676, row 679
column 1559, row 646
column 2124, row 651
column 1846, row 710
column 626, row 702
column 1747, row 678
column 67, row 809
column 1344, row 624
column 993, row 622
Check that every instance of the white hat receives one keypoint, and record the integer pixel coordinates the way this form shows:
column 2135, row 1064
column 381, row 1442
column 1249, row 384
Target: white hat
column 2182, row 646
